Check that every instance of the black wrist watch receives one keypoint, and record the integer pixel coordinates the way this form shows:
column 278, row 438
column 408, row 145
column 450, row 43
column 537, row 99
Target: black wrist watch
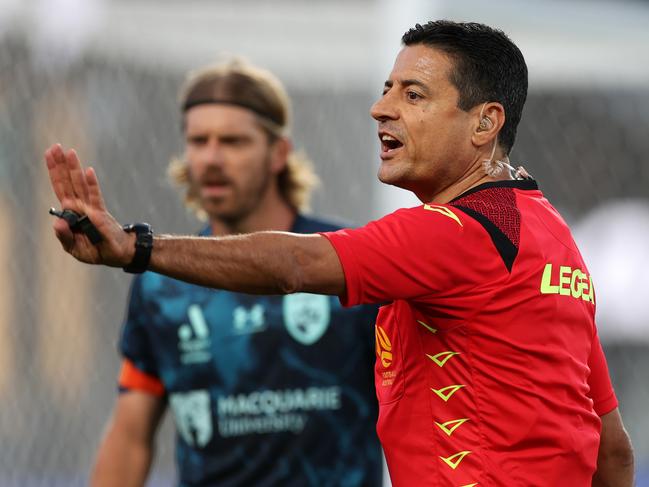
column 143, row 247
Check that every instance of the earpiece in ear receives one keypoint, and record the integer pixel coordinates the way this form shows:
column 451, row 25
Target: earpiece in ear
column 485, row 124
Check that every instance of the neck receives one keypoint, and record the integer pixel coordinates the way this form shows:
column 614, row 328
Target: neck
column 474, row 176
column 272, row 213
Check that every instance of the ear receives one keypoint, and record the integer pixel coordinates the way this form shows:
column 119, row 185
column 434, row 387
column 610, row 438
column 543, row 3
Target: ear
column 280, row 151
column 488, row 125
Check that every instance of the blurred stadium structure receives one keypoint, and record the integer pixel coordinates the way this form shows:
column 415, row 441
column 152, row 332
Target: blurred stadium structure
column 102, row 76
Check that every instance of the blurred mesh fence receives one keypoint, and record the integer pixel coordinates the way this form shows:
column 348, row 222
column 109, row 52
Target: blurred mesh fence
column 60, row 320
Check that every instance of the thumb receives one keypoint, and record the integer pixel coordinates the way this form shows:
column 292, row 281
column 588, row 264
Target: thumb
column 64, row 234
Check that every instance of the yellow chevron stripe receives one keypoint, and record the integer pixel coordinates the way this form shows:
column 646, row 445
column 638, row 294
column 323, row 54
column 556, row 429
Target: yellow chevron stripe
column 454, row 460
column 445, row 357
column 455, row 424
column 442, row 392
column 428, row 327
column 443, row 210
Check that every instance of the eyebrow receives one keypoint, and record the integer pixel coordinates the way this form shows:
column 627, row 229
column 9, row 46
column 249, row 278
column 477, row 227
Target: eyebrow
column 408, row 82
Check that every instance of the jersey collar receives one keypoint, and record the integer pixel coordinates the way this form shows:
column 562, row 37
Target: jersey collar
column 522, row 184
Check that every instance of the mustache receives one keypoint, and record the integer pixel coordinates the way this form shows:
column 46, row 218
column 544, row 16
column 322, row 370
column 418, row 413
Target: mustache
column 213, row 176
column 392, row 129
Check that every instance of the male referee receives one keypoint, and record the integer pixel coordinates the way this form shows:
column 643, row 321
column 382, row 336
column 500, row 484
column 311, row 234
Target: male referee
column 489, row 370
column 264, row 390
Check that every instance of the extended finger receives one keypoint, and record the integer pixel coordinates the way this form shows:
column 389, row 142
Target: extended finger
column 62, row 174
column 58, row 173
column 52, row 171
column 77, row 176
column 95, row 198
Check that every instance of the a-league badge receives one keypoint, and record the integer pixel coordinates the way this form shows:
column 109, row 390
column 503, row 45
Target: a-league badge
column 306, row 316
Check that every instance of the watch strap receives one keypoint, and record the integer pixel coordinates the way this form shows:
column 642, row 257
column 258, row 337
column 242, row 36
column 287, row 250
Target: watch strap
column 143, row 247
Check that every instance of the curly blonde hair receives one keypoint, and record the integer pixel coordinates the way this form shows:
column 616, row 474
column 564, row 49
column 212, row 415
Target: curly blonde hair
column 239, row 83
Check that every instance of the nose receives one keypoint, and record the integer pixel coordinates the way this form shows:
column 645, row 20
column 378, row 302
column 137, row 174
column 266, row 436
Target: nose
column 214, row 153
column 384, row 109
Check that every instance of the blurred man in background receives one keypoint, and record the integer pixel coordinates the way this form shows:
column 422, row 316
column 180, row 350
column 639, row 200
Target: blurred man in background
column 264, row 390
column 489, row 369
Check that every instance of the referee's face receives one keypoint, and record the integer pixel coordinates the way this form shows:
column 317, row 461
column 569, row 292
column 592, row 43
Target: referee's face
column 425, row 138
column 229, row 156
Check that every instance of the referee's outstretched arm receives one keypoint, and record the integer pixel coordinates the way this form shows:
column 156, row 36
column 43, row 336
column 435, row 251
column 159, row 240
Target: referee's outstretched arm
column 615, row 458
column 259, row 263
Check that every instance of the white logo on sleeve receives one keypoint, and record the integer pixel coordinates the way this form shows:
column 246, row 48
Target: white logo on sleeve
column 193, row 416
column 306, row 316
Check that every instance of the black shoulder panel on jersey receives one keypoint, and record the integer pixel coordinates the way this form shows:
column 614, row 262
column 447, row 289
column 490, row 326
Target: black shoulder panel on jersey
column 506, row 248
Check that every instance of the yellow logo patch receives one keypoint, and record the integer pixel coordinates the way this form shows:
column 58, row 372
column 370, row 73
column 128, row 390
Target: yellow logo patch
column 383, row 346
column 567, row 281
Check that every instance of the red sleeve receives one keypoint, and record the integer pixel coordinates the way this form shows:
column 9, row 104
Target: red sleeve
column 410, row 253
column 133, row 379
column 601, row 389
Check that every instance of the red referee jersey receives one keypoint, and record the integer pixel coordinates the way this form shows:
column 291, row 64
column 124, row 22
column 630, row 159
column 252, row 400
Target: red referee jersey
column 489, row 371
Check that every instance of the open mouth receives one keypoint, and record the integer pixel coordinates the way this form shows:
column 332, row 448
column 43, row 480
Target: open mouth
column 389, row 143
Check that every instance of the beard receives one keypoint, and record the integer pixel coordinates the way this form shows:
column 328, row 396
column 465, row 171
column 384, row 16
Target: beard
column 239, row 199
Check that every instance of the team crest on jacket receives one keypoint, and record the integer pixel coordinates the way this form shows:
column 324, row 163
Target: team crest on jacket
column 306, row 316
column 193, row 416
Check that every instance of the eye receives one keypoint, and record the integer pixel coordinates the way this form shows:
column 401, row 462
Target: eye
column 233, row 140
column 413, row 95
column 197, row 139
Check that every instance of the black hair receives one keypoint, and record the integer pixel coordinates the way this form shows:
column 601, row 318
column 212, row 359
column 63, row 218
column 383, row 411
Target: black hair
column 487, row 66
